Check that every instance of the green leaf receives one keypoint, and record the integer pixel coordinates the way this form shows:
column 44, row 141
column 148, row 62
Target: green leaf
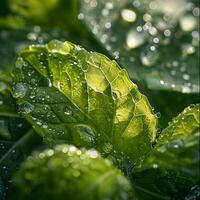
column 72, row 173
column 13, row 153
column 156, row 41
column 83, row 98
column 186, row 123
column 173, row 166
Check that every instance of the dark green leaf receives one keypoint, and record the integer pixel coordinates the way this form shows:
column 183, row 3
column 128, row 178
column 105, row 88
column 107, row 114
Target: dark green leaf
column 66, row 172
column 79, row 97
column 157, row 41
column 13, row 153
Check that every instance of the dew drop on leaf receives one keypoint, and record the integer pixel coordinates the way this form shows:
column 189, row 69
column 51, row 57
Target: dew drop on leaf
column 20, row 63
column 128, row 15
column 107, row 147
column 56, row 46
column 175, row 144
column 28, row 107
column 86, row 133
column 19, row 90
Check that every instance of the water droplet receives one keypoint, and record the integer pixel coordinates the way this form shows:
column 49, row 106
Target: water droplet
column 135, row 39
column 158, row 114
column 56, row 46
column 155, row 166
column 81, row 16
column 149, row 57
column 19, row 90
column 167, row 33
column 93, row 153
column 67, row 111
column 156, row 40
column 188, row 23
column 20, row 63
column 128, row 15
column 45, row 126
column 186, row 89
column 86, row 133
column 175, row 144
column 186, row 77
column 28, row 107
column 188, row 49
column 108, row 25
column 162, row 82
column 107, row 147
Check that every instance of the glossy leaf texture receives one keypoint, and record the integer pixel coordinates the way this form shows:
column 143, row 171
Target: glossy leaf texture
column 72, row 173
column 183, row 125
column 174, row 162
column 156, row 41
column 83, row 98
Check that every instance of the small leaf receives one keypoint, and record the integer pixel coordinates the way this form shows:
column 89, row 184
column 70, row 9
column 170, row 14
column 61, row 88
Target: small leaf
column 186, row 123
column 72, row 173
column 83, row 98
column 157, row 41
column 174, row 160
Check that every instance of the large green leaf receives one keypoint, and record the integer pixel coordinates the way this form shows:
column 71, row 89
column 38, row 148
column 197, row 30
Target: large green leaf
column 174, row 162
column 83, row 98
column 157, row 41
column 66, row 172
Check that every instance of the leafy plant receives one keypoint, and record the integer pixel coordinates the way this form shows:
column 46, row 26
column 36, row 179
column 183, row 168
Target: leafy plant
column 97, row 105
column 76, row 99
column 73, row 173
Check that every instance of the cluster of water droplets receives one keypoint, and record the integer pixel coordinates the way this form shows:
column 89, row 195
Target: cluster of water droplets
column 158, row 38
